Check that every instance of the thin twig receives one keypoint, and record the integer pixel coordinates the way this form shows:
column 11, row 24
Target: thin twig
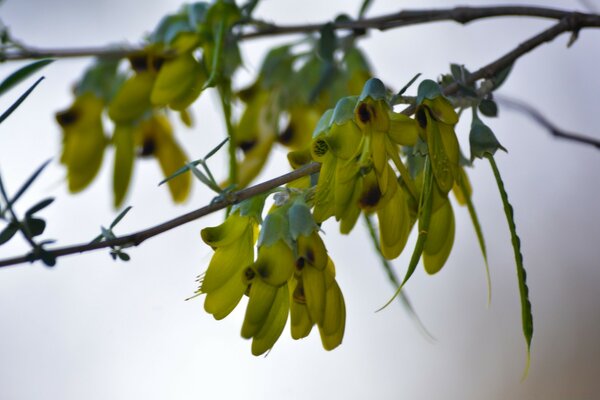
column 136, row 238
column 538, row 117
column 403, row 18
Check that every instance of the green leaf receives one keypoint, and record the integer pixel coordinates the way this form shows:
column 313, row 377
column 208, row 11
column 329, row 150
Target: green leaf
column 22, row 74
column 21, row 99
column 301, row 221
column 275, row 227
column 102, row 79
column 489, row 108
column 501, row 76
column 123, row 256
column 8, row 232
column 34, row 226
column 39, row 206
column 217, row 148
column 343, row 111
column 276, row 67
column 252, row 207
column 459, row 73
column 325, row 122
column 409, row 84
column 425, row 204
column 526, row 314
column 196, row 13
column 482, row 139
column 120, row 217
column 205, row 180
column 327, row 43
column 374, row 89
column 169, row 27
column 47, row 258
column 364, row 7
column 428, row 89
column 26, row 185
column 479, row 233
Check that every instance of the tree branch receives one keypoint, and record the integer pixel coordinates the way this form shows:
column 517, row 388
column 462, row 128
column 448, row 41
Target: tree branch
column 538, row 117
column 137, row 238
column 569, row 21
column 461, row 15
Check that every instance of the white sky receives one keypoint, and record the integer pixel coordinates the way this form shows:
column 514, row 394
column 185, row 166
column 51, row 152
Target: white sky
column 94, row 329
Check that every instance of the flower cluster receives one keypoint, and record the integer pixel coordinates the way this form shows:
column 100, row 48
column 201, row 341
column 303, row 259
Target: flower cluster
column 291, row 274
column 363, row 145
column 183, row 56
column 355, row 143
column 284, row 104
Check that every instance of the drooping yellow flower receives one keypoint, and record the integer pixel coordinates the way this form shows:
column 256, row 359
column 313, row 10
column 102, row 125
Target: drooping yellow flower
column 268, row 303
column 179, row 82
column 224, row 282
column 155, row 138
column 355, row 143
column 83, row 140
column 315, row 297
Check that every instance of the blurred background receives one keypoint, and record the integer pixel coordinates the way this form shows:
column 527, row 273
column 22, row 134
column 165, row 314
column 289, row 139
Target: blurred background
column 97, row 329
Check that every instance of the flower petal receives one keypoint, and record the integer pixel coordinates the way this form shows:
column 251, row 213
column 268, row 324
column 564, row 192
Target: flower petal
column 274, row 324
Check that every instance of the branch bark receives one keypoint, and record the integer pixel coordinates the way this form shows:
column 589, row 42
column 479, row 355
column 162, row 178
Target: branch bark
column 137, row 238
column 462, row 15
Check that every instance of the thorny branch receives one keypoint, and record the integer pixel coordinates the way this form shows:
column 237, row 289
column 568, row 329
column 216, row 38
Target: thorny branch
column 568, row 22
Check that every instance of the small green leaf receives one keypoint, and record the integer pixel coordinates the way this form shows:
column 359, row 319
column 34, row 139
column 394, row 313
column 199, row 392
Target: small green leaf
column 22, row 74
column 196, row 13
column 34, row 226
column 526, row 314
column 343, row 111
column 107, row 233
column 8, row 232
column 301, row 220
column 327, row 43
column 482, row 139
column 39, row 206
column 408, row 85
column 501, row 76
column 47, row 258
column 425, row 204
column 252, row 207
column 217, row 148
column 364, row 7
column 21, row 99
column 428, row 89
column 123, row 256
column 102, row 79
column 325, row 122
column 489, row 108
column 275, row 227
column 374, row 89
column 120, row 217
column 28, row 183
column 170, row 27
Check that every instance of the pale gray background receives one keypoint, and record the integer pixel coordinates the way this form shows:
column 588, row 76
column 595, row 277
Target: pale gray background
column 94, row 329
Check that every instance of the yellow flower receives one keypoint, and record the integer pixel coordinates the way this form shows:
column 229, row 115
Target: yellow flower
column 268, row 304
column 155, row 138
column 224, row 282
column 315, row 295
column 179, row 82
column 83, row 140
